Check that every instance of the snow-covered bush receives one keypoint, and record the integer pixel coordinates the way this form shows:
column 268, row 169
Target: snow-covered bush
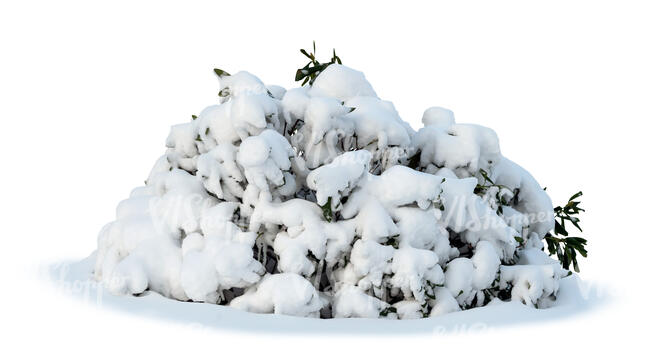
column 320, row 201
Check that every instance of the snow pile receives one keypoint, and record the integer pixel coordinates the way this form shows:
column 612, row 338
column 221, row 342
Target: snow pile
column 321, row 201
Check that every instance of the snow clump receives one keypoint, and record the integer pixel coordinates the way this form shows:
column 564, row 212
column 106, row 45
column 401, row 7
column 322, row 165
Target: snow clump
column 320, row 201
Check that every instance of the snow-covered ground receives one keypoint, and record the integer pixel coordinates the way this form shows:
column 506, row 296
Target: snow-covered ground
column 75, row 279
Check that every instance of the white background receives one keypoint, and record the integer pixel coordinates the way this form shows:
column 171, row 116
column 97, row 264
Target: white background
column 88, row 91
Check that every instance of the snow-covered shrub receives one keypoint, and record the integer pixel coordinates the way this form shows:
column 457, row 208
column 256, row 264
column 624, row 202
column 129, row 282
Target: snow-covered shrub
column 321, row 201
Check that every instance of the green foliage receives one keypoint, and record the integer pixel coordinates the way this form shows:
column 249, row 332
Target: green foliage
column 225, row 92
column 414, row 161
column 220, row 73
column 519, row 240
column 327, row 210
column 559, row 243
column 309, row 72
column 393, row 241
column 388, row 310
column 487, row 184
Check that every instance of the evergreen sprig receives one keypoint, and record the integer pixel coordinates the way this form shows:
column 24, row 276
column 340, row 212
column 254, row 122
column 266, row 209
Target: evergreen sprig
column 566, row 247
column 225, row 92
column 309, row 72
column 327, row 210
column 487, row 184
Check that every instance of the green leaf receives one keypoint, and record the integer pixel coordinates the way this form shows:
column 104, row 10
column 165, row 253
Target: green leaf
column 327, row 210
column 575, row 196
column 300, row 75
column 559, row 229
column 414, row 161
column 485, row 176
column 335, row 57
column 224, row 92
column 566, row 248
column 393, row 242
column 309, row 72
column 220, row 73
column 575, row 221
column 303, row 51
column 385, row 312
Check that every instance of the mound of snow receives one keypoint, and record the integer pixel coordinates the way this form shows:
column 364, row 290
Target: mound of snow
column 321, row 201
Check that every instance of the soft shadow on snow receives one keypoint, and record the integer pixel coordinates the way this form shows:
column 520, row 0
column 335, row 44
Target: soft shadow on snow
column 74, row 278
